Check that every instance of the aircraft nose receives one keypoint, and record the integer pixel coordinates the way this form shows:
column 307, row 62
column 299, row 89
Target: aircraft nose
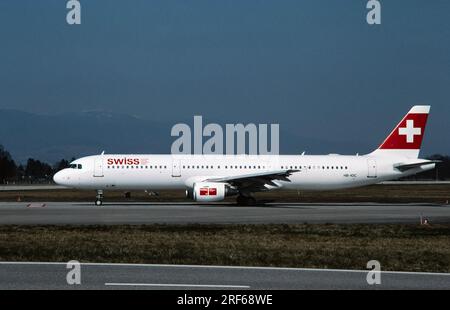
column 58, row 178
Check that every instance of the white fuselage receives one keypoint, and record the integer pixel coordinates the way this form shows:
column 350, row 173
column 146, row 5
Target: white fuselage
column 213, row 177
column 158, row 172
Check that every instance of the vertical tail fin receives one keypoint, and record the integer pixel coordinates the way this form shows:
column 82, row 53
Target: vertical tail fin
column 406, row 138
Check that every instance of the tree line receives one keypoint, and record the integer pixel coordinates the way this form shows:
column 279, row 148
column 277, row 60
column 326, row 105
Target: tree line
column 36, row 171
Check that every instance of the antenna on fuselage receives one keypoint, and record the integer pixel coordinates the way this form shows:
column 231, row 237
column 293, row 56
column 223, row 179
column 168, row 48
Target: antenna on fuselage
column 103, row 153
column 303, row 153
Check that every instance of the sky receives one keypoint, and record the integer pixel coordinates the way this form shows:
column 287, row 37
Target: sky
column 314, row 67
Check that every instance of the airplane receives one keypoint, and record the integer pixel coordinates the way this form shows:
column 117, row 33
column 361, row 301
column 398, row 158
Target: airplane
column 210, row 178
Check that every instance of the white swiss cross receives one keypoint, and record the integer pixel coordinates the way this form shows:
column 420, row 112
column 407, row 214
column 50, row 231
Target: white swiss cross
column 410, row 131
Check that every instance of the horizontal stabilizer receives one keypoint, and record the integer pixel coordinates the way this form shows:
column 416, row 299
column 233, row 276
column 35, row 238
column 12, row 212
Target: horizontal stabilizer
column 404, row 167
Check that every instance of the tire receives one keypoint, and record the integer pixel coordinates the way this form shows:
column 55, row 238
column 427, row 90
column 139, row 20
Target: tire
column 251, row 201
column 98, row 202
column 245, row 201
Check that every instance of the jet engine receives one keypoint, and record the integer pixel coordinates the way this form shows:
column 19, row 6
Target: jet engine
column 210, row 191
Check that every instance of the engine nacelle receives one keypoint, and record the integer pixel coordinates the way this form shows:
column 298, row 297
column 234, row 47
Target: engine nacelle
column 210, row 191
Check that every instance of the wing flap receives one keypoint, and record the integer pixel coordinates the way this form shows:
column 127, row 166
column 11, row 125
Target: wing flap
column 256, row 181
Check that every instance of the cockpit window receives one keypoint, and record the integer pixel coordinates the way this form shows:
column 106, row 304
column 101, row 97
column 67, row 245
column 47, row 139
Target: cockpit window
column 75, row 166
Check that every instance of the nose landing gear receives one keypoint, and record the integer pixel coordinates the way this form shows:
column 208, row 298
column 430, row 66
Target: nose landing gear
column 99, row 198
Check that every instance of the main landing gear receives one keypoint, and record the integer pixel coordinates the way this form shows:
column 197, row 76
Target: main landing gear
column 245, row 200
column 99, row 198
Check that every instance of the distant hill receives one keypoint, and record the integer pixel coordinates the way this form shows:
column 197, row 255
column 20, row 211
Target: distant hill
column 52, row 137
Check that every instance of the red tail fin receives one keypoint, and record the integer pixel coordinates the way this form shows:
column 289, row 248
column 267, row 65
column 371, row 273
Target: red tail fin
column 406, row 138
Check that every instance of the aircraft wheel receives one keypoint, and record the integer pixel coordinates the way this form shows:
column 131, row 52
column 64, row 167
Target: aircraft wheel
column 99, row 198
column 251, row 201
column 246, row 201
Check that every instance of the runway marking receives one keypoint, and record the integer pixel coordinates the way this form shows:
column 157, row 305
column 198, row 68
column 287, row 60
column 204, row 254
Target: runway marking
column 229, row 267
column 178, row 285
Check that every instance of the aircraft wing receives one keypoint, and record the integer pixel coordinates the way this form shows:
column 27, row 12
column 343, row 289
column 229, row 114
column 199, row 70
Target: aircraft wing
column 255, row 182
column 404, row 167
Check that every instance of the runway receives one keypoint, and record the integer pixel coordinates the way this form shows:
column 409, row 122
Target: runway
column 186, row 213
column 182, row 277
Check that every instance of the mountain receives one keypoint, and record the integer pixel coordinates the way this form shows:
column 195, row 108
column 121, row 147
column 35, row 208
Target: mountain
column 51, row 138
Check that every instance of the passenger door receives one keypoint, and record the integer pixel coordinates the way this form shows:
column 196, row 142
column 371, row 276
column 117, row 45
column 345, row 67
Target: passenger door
column 371, row 168
column 176, row 168
column 98, row 166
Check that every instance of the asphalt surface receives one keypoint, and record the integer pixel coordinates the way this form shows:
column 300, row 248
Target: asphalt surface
column 127, row 276
column 185, row 213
